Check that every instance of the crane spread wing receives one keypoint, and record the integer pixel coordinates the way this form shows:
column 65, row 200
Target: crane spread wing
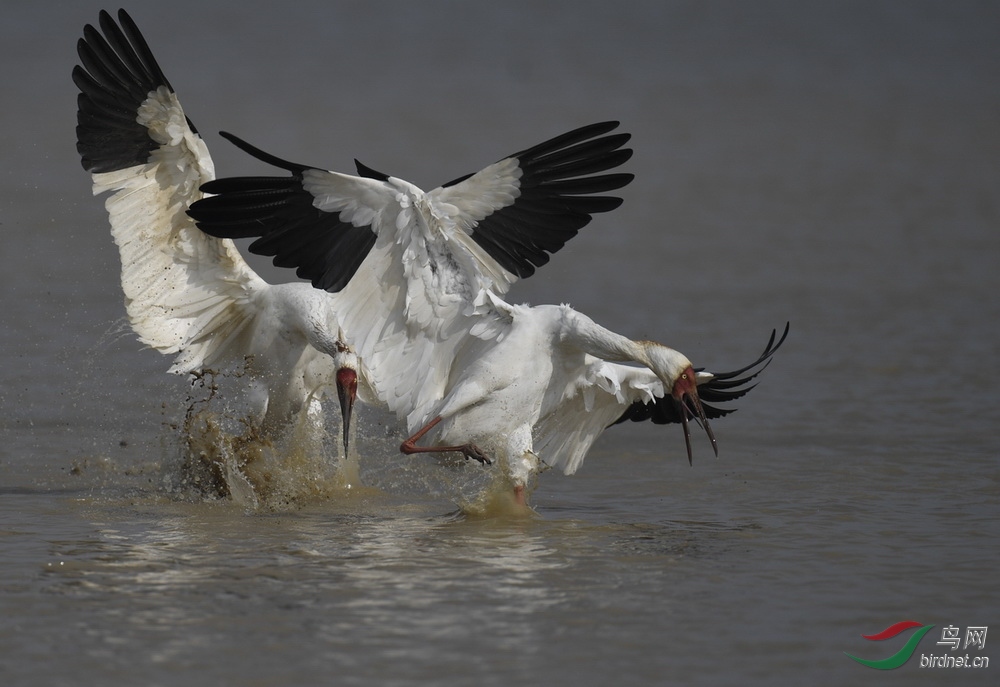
column 417, row 275
column 715, row 387
column 606, row 393
column 526, row 206
column 325, row 243
column 185, row 292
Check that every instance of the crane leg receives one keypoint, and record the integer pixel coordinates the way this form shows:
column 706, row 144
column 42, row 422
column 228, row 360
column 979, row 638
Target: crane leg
column 410, row 447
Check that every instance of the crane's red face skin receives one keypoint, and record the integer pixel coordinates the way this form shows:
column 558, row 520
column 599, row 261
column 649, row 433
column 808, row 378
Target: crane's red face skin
column 685, row 385
column 347, row 391
column 685, row 393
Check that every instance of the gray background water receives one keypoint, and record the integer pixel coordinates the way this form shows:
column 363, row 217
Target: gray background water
column 831, row 164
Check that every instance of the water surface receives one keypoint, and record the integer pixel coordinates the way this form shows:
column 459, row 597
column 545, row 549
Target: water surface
column 834, row 165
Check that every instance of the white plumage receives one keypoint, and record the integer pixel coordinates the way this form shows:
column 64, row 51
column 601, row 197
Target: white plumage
column 188, row 294
column 421, row 300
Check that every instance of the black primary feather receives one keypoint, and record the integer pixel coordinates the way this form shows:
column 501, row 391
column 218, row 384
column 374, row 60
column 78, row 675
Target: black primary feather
column 280, row 213
column 722, row 388
column 117, row 72
column 554, row 201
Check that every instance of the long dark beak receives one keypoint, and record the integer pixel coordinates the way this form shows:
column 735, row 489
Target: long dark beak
column 685, row 393
column 347, row 391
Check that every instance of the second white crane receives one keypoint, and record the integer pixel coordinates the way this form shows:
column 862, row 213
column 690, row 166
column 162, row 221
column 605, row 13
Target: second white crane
column 420, row 297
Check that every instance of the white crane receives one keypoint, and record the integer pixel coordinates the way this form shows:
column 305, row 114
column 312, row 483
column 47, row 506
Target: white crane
column 466, row 370
column 187, row 293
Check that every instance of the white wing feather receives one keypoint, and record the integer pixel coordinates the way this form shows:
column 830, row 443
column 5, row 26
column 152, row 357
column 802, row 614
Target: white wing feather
column 185, row 292
column 424, row 285
column 461, row 206
column 593, row 399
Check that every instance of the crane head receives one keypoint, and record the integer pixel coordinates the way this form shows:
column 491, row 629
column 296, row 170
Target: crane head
column 685, row 394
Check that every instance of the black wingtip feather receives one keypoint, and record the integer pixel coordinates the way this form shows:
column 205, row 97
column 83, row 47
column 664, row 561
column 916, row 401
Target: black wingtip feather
column 288, row 228
column 724, row 387
column 558, row 179
column 256, row 152
column 117, row 72
column 145, row 55
column 568, row 139
column 366, row 171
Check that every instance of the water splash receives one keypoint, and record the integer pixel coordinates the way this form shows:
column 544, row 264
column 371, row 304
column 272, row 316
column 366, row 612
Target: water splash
column 224, row 454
